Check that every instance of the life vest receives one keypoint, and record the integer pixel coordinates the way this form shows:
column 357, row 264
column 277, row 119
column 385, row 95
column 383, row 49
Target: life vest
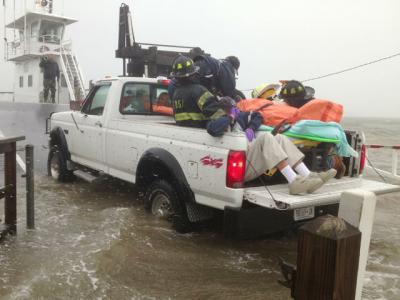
column 146, row 105
column 123, row 103
column 162, row 109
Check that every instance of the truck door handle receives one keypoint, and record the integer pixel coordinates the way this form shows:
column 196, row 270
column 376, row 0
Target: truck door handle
column 98, row 123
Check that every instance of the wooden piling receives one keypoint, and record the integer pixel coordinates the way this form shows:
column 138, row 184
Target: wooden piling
column 30, row 187
column 9, row 191
column 10, row 179
column 327, row 261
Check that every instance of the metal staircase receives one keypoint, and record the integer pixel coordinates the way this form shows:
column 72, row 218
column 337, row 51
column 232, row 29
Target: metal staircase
column 72, row 74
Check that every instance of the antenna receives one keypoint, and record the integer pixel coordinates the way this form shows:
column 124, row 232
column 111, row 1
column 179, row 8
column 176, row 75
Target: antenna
column 5, row 31
column 50, row 6
column 44, row 5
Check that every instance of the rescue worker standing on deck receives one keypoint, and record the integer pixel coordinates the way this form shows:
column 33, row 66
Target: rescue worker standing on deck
column 51, row 72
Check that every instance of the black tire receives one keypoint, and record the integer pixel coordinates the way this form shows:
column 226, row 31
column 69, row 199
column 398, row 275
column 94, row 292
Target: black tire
column 162, row 200
column 57, row 165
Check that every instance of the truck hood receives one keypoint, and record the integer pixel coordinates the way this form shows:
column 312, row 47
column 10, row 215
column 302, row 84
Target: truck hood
column 62, row 116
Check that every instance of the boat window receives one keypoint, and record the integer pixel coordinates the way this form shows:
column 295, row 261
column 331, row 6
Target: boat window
column 35, row 30
column 94, row 105
column 135, row 99
column 21, row 36
column 51, row 32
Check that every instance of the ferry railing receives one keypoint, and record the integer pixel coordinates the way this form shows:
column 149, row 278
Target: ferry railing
column 13, row 49
column 46, row 43
column 394, row 161
column 35, row 45
column 66, row 71
column 74, row 77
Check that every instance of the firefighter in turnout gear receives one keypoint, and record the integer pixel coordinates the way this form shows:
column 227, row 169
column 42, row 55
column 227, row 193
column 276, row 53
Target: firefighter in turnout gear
column 193, row 104
column 295, row 94
column 51, row 72
column 217, row 75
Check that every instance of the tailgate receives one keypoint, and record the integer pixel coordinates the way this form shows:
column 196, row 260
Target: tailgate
column 329, row 193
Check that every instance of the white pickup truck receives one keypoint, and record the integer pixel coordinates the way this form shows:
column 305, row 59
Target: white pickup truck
column 186, row 175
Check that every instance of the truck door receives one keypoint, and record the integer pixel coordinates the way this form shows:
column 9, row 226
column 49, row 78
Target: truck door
column 134, row 106
column 89, row 138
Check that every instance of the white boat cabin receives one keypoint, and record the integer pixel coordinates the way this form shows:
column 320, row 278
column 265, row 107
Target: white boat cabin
column 37, row 34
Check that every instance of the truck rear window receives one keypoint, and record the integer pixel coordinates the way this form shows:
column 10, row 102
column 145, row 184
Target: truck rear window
column 144, row 99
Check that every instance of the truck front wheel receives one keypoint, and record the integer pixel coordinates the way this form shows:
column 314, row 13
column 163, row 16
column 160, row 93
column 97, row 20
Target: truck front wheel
column 57, row 165
column 162, row 201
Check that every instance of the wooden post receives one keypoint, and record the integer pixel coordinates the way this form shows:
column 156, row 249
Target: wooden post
column 327, row 261
column 30, row 188
column 9, row 191
column 358, row 208
column 10, row 204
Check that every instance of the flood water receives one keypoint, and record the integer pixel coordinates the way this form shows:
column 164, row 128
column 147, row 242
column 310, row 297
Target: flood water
column 97, row 242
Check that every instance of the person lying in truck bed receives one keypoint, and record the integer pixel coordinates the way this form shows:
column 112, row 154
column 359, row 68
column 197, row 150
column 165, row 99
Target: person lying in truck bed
column 195, row 106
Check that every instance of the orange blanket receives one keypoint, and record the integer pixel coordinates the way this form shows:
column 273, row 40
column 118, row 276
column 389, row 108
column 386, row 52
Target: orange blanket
column 274, row 113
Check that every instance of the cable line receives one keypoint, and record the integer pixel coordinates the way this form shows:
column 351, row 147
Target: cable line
column 345, row 70
column 353, row 68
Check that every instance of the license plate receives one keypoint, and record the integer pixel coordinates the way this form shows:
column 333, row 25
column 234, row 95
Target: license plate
column 304, row 213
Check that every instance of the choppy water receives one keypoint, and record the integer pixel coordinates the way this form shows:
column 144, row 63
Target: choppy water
column 383, row 276
column 97, row 242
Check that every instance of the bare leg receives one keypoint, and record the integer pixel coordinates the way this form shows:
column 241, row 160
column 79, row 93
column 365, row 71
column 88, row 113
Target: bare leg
column 282, row 164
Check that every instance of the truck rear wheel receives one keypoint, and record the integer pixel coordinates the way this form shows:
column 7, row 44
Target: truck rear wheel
column 57, row 165
column 162, row 201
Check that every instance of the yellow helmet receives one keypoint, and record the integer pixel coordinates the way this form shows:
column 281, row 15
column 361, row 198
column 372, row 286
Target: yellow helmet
column 265, row 91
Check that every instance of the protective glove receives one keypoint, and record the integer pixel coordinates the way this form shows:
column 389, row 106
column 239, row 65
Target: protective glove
column 249, row 134
column 226, row 102
column 234, row 113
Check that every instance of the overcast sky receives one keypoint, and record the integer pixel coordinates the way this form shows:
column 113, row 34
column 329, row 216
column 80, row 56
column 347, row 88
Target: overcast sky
column 273, row 39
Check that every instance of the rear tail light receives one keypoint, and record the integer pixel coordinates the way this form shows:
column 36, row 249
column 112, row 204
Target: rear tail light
column 236, row 169
column 363, row 157
column 163, row 81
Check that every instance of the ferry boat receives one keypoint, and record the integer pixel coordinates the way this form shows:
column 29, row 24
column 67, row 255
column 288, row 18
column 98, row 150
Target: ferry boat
column 37, row 34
